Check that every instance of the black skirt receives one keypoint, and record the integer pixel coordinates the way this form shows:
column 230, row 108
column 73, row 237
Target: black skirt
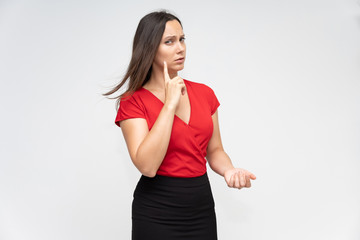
column 173, row 209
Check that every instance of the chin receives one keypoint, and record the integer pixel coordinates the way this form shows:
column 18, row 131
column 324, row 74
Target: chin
column 178, row 67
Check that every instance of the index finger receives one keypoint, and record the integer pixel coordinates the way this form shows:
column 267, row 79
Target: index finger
column 166, row 74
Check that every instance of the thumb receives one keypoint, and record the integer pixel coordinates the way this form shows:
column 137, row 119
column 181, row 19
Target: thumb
column 252, row 176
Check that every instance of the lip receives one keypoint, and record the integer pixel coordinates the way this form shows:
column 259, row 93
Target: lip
column 180, row 60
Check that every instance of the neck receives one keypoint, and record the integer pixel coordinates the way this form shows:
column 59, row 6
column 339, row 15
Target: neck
column 157, row 81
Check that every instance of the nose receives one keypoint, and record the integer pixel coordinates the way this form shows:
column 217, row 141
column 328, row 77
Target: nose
column 180, row 47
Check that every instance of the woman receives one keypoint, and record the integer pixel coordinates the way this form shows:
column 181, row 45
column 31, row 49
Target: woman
column 171, row 128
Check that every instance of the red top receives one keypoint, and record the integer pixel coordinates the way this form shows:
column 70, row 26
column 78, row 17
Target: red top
column 185, row 156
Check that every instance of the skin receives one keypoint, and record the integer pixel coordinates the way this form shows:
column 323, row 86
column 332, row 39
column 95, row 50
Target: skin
column 147, row 148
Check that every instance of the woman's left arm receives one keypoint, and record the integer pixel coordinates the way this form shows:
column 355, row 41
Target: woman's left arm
column 220, row 162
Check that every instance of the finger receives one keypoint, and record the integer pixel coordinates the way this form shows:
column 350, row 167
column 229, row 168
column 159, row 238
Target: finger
column 183, row 87
column 243, row 179
column 178, row 79
column 181, row 82
column 251, row 175
column 183, row 90
column 248, row 183
column 240, row 180
column 166, row 73
column 237, row 180
column 232, row 180
column 227, row 180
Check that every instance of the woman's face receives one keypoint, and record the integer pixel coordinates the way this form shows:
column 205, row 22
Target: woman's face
column 172, row 48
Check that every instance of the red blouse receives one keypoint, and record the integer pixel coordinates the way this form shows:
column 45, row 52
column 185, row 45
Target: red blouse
column 185, row 156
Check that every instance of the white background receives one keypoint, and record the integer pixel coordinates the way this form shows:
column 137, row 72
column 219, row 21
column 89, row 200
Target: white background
column 287, row 74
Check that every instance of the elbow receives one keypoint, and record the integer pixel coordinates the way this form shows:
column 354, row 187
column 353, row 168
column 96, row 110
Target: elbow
column 212, row 164
column 213, row 153
column 145, row 166
column 149, row 174
column 148, row 171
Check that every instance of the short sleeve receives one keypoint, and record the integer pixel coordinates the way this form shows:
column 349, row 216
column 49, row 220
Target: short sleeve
column 129, row 108
column 213, row 101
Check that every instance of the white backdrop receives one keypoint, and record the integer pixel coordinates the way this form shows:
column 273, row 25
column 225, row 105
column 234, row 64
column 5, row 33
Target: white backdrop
column 287, row 74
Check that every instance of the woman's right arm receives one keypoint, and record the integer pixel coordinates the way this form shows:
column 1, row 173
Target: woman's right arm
column 147, row 149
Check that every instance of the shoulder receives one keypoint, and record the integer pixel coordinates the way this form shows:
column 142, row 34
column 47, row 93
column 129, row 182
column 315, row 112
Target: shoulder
column 132, row 100
column 202, row 91
column 199, row 87
column 131, row 106
column 131, row 95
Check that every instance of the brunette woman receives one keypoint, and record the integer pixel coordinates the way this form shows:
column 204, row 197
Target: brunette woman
column 171, row 129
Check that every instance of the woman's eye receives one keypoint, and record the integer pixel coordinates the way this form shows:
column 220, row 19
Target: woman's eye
column 171, row 41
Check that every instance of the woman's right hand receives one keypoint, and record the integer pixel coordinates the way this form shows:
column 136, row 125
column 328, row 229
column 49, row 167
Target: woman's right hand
column 174, row 88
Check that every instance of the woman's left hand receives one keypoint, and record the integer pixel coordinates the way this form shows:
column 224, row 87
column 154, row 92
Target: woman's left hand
column 238, row 178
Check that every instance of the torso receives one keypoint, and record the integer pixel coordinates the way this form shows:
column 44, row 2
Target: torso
column 183, row 110
column 185, row 156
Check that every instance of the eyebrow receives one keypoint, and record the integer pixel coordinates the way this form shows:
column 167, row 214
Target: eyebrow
column 172, row 36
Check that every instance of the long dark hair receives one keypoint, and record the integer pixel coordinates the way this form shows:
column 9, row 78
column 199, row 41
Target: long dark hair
column 146, row 42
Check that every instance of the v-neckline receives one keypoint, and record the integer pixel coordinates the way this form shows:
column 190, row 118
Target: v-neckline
column 188, row 95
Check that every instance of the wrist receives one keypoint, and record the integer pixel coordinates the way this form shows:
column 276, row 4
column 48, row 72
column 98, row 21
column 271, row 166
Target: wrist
column 169, row 107
column 230, row 168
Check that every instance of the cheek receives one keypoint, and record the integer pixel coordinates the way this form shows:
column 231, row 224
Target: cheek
column 161, row 55
column 158, row 58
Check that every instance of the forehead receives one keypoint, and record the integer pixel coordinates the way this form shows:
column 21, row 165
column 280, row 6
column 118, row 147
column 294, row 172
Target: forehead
column 172, row 28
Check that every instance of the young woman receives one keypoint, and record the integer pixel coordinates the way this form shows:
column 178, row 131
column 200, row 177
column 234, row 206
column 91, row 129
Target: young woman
column 171, row 129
